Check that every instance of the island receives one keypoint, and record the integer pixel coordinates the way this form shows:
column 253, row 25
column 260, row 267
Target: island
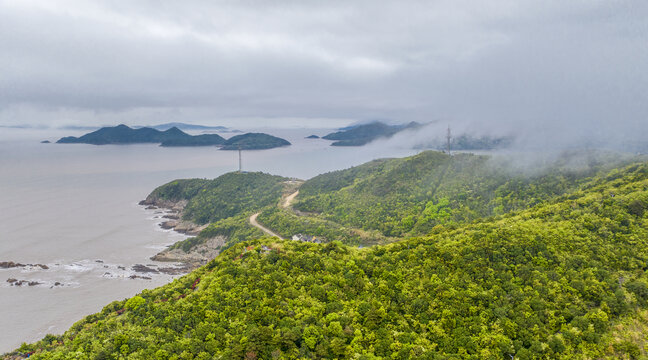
column 122, row 134
column 174, row 137
column 363, row 134
column 312, row 137
column 253, row 141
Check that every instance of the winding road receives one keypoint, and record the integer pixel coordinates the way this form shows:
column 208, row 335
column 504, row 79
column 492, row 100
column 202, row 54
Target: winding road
column 253, row 219
column 289, row 199
column 254, row 223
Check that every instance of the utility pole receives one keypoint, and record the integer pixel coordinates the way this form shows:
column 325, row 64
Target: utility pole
column 449, row 137
column 240, row 163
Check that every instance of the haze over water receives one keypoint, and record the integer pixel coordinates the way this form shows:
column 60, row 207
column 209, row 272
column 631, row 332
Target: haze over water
column 74, row 208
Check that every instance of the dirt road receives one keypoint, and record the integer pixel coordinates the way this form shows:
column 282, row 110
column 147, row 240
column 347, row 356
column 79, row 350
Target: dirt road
column 289, row 199
column 254, row 223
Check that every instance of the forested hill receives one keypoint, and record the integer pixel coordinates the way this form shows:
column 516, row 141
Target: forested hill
column 410, row 196
column 174, row 137
column 226, row 196
column 565, row 279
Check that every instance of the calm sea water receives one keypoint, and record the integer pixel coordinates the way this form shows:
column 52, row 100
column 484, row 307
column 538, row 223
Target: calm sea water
column 74, row 208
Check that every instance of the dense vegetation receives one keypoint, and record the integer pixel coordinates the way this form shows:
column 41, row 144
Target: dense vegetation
column 375, row 203
column 123, row 134
column 253, row 141
column 228, row 195
column 410, row 196
column 363, row 134
column 563, row 279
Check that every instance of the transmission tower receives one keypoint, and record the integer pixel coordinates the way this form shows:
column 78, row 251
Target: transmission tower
column 240, row 161
column 449, row 138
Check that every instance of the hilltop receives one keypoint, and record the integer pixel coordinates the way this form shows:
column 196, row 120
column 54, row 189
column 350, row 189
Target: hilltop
column 563, row 277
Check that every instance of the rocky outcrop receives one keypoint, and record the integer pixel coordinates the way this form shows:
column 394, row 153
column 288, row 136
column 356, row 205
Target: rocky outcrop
column 173, row 221
column 139, row 277
column 16, row 282
column 11, row 264
column 199, row 255
column 175, row 206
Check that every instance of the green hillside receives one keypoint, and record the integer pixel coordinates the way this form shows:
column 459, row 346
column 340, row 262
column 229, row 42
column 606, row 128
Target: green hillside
column 564, row 279
column 393, row 198
column 228, row 195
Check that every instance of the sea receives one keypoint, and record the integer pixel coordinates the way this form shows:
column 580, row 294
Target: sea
column 74, row 209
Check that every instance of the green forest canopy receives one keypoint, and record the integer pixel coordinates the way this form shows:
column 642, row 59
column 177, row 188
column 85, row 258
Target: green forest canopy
column 560, row 280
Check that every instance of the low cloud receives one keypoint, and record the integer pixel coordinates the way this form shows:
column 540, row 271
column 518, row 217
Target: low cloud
column 549, row 72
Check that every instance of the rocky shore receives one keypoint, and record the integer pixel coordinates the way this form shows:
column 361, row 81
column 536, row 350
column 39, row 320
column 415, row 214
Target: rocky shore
column 11, row 264
column 174, row 215
column 199, row 254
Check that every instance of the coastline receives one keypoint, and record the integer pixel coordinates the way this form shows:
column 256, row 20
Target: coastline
column 172, row 220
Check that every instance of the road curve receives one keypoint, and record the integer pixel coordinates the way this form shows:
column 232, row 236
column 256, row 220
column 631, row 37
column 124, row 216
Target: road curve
column 254, row 223
column 289, row 199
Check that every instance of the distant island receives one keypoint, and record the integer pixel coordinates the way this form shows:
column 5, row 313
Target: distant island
column 253, row 141
column 363, row 134
column 312, row 137
column 174, row 137
column 185, row 126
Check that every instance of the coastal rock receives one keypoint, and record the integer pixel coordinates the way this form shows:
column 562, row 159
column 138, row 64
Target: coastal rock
column 139, row 277
column 189, row 228
column 143, row 269
column 167, row 225
column 199, row 255
column 176, row 206
column 175, row 270
column 10, row 264
column 16, row 282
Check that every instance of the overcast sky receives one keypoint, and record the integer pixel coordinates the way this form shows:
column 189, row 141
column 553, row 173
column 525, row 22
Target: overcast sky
column 555, row 67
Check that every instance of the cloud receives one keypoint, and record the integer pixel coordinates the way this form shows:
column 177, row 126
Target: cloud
column 534, row 67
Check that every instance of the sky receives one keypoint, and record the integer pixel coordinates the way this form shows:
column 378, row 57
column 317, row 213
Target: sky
column 539, row 69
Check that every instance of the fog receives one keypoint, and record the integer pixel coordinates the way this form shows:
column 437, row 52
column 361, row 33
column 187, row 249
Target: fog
column 550, row 73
